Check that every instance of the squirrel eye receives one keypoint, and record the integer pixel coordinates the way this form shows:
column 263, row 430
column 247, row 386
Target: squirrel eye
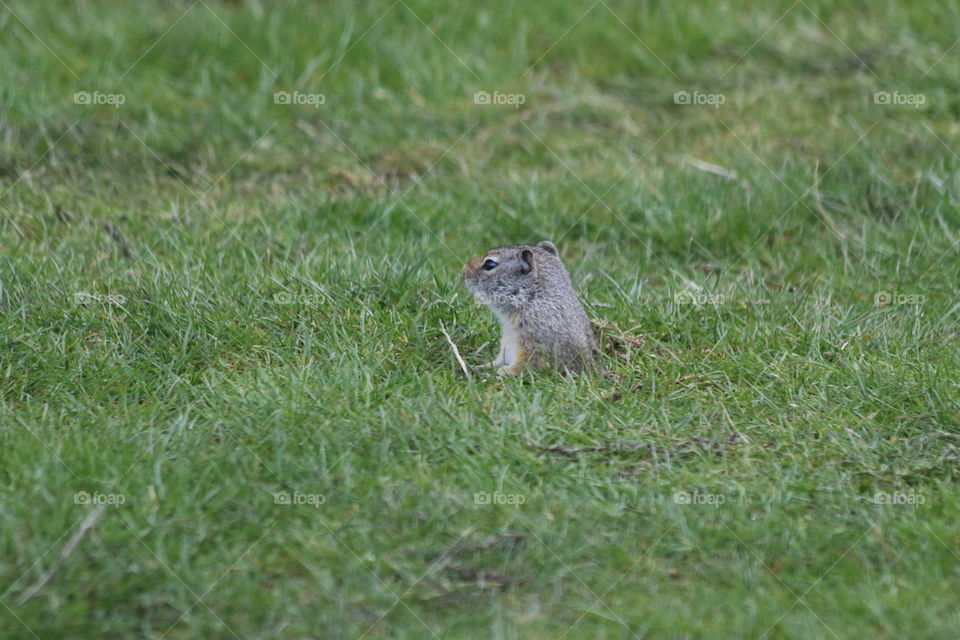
column 489, row 265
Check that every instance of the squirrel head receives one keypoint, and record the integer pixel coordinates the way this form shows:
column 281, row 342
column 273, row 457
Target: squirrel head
column 508, row 278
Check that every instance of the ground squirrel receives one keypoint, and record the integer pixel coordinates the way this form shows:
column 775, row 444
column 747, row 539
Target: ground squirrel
column 529, row 290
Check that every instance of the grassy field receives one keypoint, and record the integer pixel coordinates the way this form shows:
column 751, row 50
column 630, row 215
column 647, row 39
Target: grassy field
column 230, row 247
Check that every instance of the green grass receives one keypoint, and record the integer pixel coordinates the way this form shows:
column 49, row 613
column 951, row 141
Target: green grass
column 281, row 275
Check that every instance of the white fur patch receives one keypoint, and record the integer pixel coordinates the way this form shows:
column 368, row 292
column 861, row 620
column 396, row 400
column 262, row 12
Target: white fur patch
column 509, row 342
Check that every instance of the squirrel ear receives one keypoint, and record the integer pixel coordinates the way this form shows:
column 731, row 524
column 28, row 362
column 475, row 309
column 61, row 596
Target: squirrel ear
column 548, row 246
column 527, row 257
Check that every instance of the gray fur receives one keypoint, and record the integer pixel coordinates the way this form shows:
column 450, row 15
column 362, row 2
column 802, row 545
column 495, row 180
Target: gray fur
column 531, row 294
